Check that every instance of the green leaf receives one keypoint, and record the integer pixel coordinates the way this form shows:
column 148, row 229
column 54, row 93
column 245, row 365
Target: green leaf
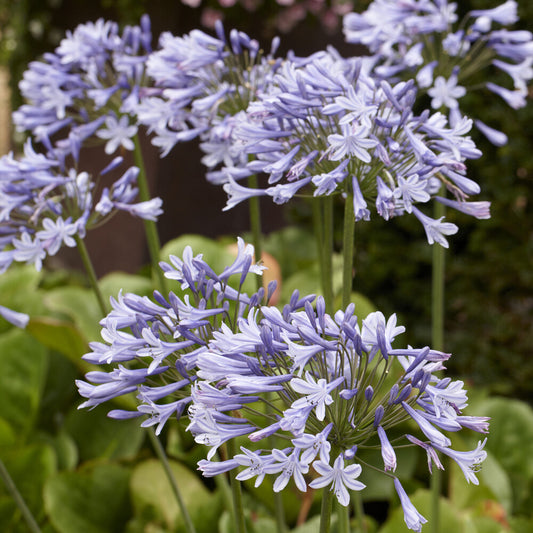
column 494, row 484
column 511, row 444
column 111, row 284
column 59, row 391
column 62, row 336
column 99, row 437
column 64, row 447
column 293, row 247
column 492, row 475
column 511, row 433
column 18, row 290
column 152, row 495
column 449, row 517
column 93, row 501
column 78, row 304
column 23, row 361
column 521, row 524
column 307, row 281
column 217, row 255
column 29, row 467
column 7, row 433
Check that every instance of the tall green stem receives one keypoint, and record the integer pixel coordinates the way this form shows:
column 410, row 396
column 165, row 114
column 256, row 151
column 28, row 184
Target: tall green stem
column 19, row 500
column 437, row 340
column 328, row 253
column 343, row 516
column 160, row 452
column 150, row 227
column 348, row 250
column 318, row 230
column 88, row 265
column 359, row 511
column 325, row 514
column 255, row 224
column 238, row 508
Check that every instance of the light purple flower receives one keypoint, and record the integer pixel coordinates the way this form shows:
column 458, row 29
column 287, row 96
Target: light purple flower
column 413, row 519
column 340, row 477
column 446, row 92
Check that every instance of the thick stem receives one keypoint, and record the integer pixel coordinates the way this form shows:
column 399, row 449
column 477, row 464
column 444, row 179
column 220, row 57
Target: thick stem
column 325, row 514
column 437, row 341
column 160, row 452
column 328, row 253
column 348, row 250
column 238, row 508
column 359, row 511
column 150, row 227
column 19, row 500
column 319, row 240
column 343, row 517
column 437, row 289
column 255, row 224
column 88, row 265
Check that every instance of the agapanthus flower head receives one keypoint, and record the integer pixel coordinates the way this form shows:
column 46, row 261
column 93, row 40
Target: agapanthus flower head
column 326, row 127
column 87, row 89
column 448, row 57
column 45, row 205
column 153, row 345
column 201, row 83
column 336, row 385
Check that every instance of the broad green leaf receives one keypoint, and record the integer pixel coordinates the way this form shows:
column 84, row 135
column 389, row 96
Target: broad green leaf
column 23, row 361
column 59, row 392
column 10, row 517
column 113, row 283
column 521, row 524
column 494, row 477
column 307, row 281
column 62, row 336
column 99, row 437
column 217, row 255
column 64, row 447
column 152, row 495
column 511, row 443
column 18, row 291
column 78, row 304
column 449, row 517
column 93, row 501
column 7, row 433
column 293, row 247
column 485, row 524
column 511, row 433
column 494, row 484
column 29, row 467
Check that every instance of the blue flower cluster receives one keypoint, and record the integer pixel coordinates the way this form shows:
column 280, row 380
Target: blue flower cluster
column 45, row 205
column 327, row 124
column 88, row 89
column 160, row 341
column 334, row 385
column 424, row 40
column 201, row 85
